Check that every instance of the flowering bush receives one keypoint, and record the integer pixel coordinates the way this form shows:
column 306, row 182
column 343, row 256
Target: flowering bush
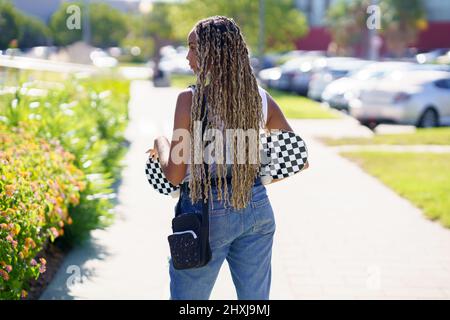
column 38, row 182
column 89, row 118
column 56, row 176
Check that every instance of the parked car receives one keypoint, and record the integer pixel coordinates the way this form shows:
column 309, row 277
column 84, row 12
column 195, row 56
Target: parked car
column 102, row 59
column 339, row 92
column 268, row 77
column 327, row 70
column 173, row 61
column 292, row 69
column 294, row 75
column 444, row 59
column 419, row 97
column 431, row 56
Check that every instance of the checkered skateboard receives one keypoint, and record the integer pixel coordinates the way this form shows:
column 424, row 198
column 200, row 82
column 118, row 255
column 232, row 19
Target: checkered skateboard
column 283, row 154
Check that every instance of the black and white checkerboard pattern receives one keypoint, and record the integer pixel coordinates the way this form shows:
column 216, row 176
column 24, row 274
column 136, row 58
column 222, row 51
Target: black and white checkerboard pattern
column 287, row 154
column 156, row 178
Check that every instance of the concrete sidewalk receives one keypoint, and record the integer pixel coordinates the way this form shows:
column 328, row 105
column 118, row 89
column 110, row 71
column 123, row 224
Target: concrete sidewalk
column 340, row 232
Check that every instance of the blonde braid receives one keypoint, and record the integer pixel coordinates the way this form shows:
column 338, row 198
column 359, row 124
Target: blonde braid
column 233, row 100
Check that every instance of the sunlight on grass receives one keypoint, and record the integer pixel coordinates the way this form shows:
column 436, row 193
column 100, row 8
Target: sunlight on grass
column 422, row 178
column 182, row 81
column 440, row 136
column 298, row 107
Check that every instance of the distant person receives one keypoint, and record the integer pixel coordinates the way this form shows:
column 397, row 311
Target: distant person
column 241, row 233
column 160, row 78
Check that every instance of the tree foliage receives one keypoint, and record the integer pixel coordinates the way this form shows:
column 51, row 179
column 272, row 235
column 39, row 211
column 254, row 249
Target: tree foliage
column 401, row 22
column 108, row 25
column 25, row 30
column 283, row 22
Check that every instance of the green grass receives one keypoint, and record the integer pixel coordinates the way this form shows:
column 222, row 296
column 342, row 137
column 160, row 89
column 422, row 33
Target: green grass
column 437, row 136
column 293, row 106
column 422, row 178
column 298, row 107
column 181, row 80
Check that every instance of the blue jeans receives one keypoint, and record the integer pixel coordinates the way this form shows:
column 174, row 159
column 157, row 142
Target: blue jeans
column 243, row 237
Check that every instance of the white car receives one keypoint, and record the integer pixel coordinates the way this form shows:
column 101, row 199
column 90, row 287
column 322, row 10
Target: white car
column 327, row 70
column 339, row 92
column 102, row 60
column 420, row 98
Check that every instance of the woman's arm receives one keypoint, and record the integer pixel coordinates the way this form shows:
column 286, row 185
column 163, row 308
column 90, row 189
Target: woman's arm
column 175, row 171
column 277, row 121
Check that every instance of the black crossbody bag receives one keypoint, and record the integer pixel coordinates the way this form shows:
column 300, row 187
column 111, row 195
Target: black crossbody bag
column 189, row 242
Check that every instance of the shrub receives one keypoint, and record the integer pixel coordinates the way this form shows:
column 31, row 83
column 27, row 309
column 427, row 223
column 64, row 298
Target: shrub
column 56, row 175
column 38, row 182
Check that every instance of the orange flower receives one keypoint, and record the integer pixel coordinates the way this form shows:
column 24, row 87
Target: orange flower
column 10, row 189
column 4, row 275
column 54, row 232
column 16, row 229
column 30, row 242
column 74, row 199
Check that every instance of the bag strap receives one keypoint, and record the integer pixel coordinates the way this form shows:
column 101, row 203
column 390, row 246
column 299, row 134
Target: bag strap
column 205, row 204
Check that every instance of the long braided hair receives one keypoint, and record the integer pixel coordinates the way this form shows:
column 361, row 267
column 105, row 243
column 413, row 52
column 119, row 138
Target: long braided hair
column 233, row 103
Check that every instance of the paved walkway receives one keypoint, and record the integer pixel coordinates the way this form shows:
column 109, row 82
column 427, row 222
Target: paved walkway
column 340, row 232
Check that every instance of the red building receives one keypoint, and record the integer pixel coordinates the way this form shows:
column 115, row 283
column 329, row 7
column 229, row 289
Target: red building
column 437, row 34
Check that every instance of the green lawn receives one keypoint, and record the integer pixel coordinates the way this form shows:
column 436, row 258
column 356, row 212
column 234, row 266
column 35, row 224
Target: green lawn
column 440, row 136
column 298, row 107
column 293, row 106
column 182, row 81
column 422, row 178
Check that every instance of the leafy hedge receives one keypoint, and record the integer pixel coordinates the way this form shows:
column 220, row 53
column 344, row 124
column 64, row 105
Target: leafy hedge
column 38, row 182
column 61, row 153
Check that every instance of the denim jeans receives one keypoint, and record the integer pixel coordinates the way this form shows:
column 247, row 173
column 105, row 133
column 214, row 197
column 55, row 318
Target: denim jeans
column 243, row 237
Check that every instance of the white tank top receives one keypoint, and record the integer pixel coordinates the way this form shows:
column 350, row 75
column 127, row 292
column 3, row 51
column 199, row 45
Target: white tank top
column 262, row 93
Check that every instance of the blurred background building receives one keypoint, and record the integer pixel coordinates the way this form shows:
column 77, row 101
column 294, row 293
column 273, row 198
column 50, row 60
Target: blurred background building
column 437, row 34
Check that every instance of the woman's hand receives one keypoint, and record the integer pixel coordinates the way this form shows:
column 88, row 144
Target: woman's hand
column 153, row 152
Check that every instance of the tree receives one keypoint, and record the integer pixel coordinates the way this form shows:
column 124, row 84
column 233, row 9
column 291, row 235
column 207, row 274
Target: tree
column 108, row 25
column 158, row 27
column 33, row 32
column 26, row 31
column 345, row 21
column 9, row 24
column 61, row 34
column 283, row 22
column 402, row 21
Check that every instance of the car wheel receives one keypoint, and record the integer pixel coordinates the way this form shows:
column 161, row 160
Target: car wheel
column 429, row 119
column 370, row 124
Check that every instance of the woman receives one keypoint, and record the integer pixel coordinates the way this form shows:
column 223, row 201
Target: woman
column 243, row 232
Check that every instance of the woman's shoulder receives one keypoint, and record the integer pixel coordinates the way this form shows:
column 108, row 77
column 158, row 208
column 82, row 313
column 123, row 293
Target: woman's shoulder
column 184, row 101
column 187, row 93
